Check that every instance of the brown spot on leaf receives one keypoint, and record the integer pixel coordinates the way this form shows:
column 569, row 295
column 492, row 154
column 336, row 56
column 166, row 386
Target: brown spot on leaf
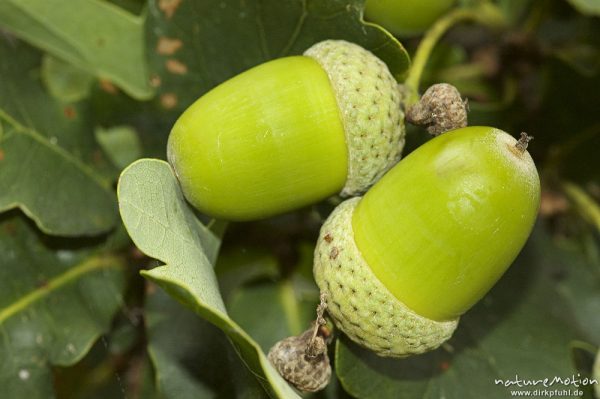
column 69, row 112
column 176, row 67
column 168, row 7
column 42, row 284
column 328, row 238
column 10, row 228
column 97, row 157
column 108, row 86
column 166, row 46
column 168, row 100
column 155, row 81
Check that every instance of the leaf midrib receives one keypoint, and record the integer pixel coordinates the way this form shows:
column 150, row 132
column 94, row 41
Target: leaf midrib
column 19, row 128
column 88, row 266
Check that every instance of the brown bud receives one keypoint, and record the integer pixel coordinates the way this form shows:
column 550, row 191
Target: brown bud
column 440, row 109
column 303, row 361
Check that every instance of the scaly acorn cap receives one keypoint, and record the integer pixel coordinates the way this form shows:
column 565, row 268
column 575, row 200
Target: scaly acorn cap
column 360, row 305
column 369, row 102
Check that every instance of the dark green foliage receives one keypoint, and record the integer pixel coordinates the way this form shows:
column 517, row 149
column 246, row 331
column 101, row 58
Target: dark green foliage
column 89, row 86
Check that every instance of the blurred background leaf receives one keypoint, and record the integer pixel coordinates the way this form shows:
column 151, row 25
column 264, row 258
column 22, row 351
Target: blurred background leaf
column 270, row 312
column 52, row 307
column 44, row 166
column 120, row 143
column 193, row 46
column 94, row 35
column 588, row 7
column 64, row 81
column 192, row 358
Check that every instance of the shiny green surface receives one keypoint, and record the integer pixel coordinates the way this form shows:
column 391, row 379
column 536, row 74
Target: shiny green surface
column 405, row 17
column 265, row 142
column 446, row 222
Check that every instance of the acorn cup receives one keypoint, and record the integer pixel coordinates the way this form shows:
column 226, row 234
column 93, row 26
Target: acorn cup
column 401, row 264
column 289, row 133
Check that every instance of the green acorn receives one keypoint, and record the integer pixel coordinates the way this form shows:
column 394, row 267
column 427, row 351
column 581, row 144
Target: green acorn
column 401, row 264
column 288, row 133
column 407, row 17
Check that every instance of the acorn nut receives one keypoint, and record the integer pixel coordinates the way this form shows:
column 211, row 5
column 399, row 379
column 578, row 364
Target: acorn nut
column 288, row 133
column 407, row 17
column 401, row 264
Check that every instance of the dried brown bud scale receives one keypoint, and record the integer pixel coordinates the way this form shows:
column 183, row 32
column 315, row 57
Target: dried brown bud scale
column 308, row 372
column 440, row 109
